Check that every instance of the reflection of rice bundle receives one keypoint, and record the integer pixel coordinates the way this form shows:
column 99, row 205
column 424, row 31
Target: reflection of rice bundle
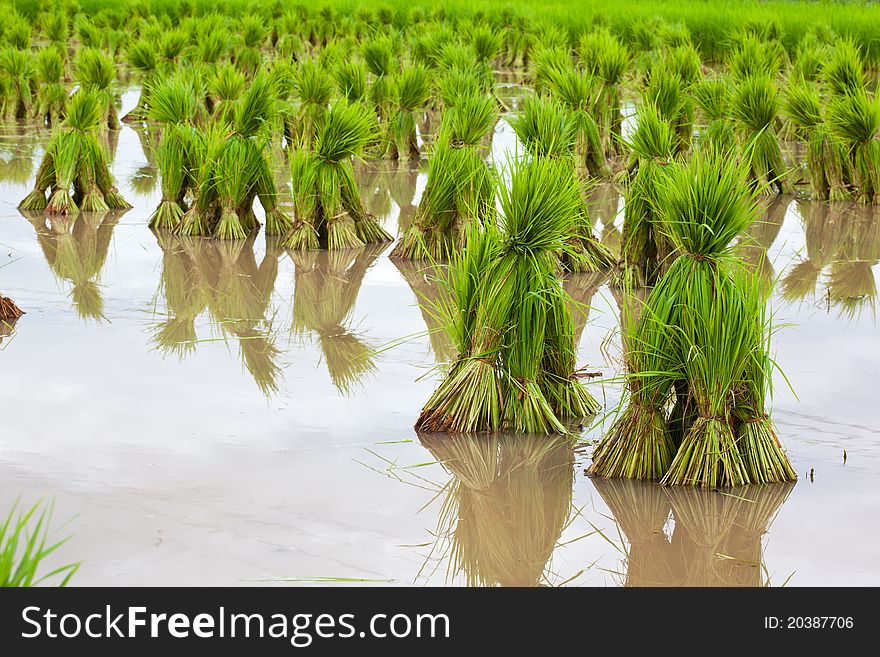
column 222, row 276
column 326, row 288
column 604, row 203
column 851, row 285
column 821, row 223
column 719, row 534
column 426, row 283
column 506, row 507
column 642, row 510
column 759, row 237
column 9, row 312
column 76, row 247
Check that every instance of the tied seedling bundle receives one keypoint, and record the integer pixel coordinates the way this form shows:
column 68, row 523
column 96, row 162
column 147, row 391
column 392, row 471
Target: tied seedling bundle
column 410, row 92
column 645, row 248
column 329, row 211
column 705, row 334
column 509, row 320
column 827, row 159
column 74, row 169
column 755, row 106
column 548, row 130
column 460, row 188
column 51, row 98
column 608, row 59
column 223, row 167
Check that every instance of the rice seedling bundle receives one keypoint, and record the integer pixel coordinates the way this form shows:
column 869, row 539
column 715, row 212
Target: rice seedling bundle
column 351, row 80
column 667, row 92
column 380, row 56
column 548, row 130
column 645, row 248
column 95, row 72
column 17, row 68
column 329, row 211
column 605, row 57
column 755, row 106
column 142, row 56
column 712, row 96
column 51, row 97
column 754, row 56
column 844, row 71
column 74, row 168
column 854, row 119
column 509, row 320
column 410, row 90
column 314, row 89
column 579, row 92
column 225, row 87
column 827, row 161
column 460, row 188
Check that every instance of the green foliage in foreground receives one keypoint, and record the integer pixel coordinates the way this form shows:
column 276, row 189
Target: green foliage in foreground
column 24, row 545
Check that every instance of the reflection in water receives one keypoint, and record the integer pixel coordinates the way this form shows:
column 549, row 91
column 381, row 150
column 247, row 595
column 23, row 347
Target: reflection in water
column 505, row 507
column 716, row 539
column 604, row 204
column 842, row 247
column 17, row 154
column 76, row 249
column 326, row 288
column 146, row 178
column 222, row 277
column 430, row 291
column 385, row 182
column 759, row 237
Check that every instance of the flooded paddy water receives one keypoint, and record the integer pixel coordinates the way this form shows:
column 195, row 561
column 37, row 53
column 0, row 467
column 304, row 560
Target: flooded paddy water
column 208, row 413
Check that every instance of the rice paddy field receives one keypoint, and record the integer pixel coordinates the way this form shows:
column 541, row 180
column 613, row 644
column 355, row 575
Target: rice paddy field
column 255, row 244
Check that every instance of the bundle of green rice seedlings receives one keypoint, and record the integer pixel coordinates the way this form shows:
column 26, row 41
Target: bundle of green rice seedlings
column 644, row 248
column 753, row 56
column 17, row 67
column 351, row 80
column 51, row 98
column 460, row 188
column 844, row 71
column 548, row 130
column 314, row 89
column 712, row 96
column 827, row 161
column 95, row 71
column 607, row 58
column 253, row 32
column 464, row 57
column 487, row 44
column 755, row 106
column 9, row 312
column 56, row 28
column 508, row 317
column 666, row 91
column 763, row 456
column 173, row 106
column 74, row 166
column 329, row 211
column 225, row 87
column 504, row 509
column 327, row 284
column 810, row 55
column 706, row 203
column 854, row 119
column 143, row 57
column 410, row 91
column 579, row 92
column 211, row 46
column 173, row 44
column 686, row 63
column 545, row 63
column 639, row 443
column 380, row 56
column 641, row 511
